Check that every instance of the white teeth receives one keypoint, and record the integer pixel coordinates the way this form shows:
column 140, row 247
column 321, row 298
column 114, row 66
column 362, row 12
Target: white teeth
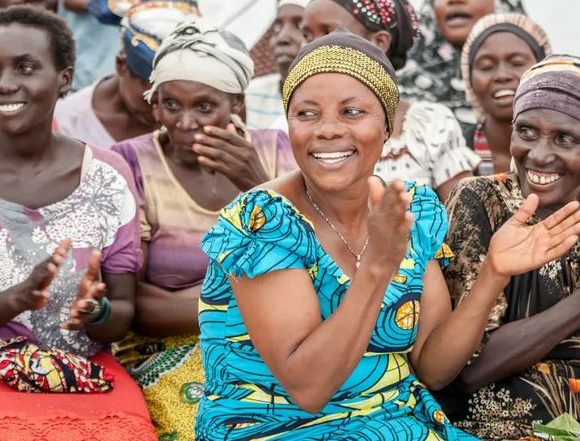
column 543, row 178
column 333, row 155
column 503, row 93
column 11, row 107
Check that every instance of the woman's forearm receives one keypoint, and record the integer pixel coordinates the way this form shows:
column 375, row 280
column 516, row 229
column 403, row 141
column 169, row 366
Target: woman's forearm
column 319, row 365
column 162, row 313
column 517, row 346
column 452, row 343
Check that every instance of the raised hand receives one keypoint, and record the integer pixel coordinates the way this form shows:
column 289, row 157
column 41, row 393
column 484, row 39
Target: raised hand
column 517, row 248
column 90, row 290
column 33, row 293
column 228, row 153
column 389, row 222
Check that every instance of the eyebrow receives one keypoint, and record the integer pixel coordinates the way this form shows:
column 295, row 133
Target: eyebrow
column 26, row 57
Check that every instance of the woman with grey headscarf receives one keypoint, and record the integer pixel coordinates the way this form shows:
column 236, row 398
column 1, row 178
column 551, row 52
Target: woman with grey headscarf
column 185, row 173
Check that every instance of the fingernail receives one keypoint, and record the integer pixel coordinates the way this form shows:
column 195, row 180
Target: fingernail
column 197, row 137
column 207, row 129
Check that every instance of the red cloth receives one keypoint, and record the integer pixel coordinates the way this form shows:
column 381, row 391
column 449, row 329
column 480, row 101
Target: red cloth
column 120, row 415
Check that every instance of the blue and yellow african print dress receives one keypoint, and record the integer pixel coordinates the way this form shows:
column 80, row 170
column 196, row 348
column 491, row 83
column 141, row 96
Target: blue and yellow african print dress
column 262, row 231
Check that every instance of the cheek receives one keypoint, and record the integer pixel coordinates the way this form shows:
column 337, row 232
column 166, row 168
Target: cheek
column 482, row 7
column 479, row 82
column 440, row 12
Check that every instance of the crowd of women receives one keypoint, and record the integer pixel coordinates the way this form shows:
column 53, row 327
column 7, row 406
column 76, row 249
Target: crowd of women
column 187, row 252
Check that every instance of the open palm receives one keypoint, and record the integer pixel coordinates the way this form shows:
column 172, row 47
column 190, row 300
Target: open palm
column 517, row 248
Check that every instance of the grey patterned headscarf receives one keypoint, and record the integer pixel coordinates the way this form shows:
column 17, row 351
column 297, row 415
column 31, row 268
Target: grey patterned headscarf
column 197, row 52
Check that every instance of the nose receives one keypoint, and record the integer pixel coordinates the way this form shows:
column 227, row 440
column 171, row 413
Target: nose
column 542, row 153
column 504, row 73
column 7, row 85
column 282, row 38
column 330, row 127
column 187, row 122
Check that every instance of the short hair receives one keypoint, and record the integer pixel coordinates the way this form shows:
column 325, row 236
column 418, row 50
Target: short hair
column 61, row 39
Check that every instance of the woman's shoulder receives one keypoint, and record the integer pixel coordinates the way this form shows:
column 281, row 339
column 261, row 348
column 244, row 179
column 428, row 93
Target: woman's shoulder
column 258, row 232
column 130, row 147
column 430, row 219
column 429, row 112
column 262, row 207
column 484, row 188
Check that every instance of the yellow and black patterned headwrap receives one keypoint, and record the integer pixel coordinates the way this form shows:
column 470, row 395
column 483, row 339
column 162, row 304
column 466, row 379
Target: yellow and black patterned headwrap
column 344, row 52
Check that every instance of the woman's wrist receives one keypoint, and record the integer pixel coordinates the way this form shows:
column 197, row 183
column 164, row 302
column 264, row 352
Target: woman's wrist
column 491, row 275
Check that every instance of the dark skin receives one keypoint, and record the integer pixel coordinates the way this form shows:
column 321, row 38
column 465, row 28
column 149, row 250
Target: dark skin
column 119, row 104
column 38, row 168
column 497, row 68
column 213, row 163
column 543, row 141
column 455, row 18
column 287, row 38
column 322, row 17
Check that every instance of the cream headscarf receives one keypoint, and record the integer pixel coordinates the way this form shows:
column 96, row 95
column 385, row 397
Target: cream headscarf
column 197, row 52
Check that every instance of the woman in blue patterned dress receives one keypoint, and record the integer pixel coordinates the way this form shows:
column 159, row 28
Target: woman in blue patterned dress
column 309, row 313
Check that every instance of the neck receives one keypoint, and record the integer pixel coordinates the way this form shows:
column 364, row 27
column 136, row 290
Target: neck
column 188, row 161
column 27, row 147
column 349, row 209
column 498, row 135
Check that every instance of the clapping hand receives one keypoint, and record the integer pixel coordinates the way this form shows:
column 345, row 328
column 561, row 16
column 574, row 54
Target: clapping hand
column 33, row 293
column 517, row 248
column 389, row 222
column 91, row 290
column 226, row 152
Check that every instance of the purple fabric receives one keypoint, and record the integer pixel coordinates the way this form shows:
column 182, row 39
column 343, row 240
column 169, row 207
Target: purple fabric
column 13, row 329
column 172, row 224
column 124, row 255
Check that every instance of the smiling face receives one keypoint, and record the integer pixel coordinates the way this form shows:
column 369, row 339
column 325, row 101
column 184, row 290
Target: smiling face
column 337, row 129
column 321, row 17
column 455, row 18
column 29, row 81
column 498, row 66
column 546, row 147
column 185, row 107
column 287, row 38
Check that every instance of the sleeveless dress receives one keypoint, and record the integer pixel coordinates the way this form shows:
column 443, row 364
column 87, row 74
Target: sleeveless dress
column 260, row 232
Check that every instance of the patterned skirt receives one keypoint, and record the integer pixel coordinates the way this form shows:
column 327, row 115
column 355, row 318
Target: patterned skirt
column 170, row 373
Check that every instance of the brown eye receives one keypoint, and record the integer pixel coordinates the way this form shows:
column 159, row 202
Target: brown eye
column 527, row 133
column 565, row 140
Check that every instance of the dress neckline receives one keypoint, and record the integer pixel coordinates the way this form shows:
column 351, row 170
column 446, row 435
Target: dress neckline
column 86, row 169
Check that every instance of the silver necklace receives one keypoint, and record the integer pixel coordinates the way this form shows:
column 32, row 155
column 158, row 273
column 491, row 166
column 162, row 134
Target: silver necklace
column 338, row 233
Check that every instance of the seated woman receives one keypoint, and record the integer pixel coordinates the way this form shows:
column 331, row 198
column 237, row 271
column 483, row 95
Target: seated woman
column 499, row 49
column 426, row 143
column 527, row 368
column 184, row 174
column 113, row 108
column 312, row 312
column 55, row 190
column 433, row 72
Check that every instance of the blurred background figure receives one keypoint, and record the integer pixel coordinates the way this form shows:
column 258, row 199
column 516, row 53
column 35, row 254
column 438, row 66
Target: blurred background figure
column 264, row 109
column 97, row 43
column 499, row 49
column 433, row 72
column 113, row 108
